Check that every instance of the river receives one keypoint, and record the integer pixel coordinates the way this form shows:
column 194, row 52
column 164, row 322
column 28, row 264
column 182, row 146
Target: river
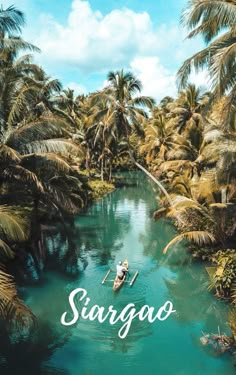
column 116, row 227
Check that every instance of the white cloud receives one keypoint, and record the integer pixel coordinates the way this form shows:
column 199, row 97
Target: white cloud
column 157, row 81
column 90, row 42
column 93, row 42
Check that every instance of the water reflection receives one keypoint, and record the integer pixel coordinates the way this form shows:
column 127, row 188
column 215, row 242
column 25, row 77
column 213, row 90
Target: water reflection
column 193, row 302
column 101, row 237
column 116, row 227
column 30, row 355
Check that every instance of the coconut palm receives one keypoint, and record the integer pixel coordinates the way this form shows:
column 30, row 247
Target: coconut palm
column 11, row 20
column 124, row 101
column 14, row 228
column 189, row 111
column 163, row 143
column 71, row 107
column 35, row 170
column 125, row 110
column 215, row 21
column 223, row 273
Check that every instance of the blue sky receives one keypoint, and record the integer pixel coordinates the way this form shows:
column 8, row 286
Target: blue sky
column 82, row 40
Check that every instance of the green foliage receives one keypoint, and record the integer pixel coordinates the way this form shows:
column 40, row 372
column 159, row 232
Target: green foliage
column 224, row 278
column 47, row 135
column 215, row 21
column 100, row 188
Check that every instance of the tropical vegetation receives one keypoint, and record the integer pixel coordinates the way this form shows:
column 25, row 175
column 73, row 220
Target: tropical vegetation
column 190, row 145
column 54, row 146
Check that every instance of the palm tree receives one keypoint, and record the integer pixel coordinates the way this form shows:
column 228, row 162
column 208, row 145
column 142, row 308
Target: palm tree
column 162, row 139
column 189, row 111
column 70, row 107
column 35, row 170
column 125, row 110
column 223, row 273
column 215, row 21
column 14, row 228
column 203, row 230
column 122, row 91
column 11, row 20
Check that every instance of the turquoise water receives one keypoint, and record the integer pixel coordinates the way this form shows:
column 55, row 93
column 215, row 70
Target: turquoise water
column 116, row 227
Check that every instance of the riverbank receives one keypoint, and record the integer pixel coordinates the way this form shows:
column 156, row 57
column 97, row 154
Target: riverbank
column 100, row 188
column 218, row 255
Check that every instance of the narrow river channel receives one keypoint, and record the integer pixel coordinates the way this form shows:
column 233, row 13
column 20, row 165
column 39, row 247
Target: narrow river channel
column 116, row 227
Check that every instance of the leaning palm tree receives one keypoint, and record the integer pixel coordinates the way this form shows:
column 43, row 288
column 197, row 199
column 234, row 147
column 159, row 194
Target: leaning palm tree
column 215, row 21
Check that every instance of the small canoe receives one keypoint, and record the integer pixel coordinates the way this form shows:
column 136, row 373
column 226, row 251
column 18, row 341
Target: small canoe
column 119, row 282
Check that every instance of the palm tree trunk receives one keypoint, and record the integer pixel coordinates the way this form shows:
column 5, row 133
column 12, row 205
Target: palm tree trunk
column 102, row 170
column 87, row 166
column 105, row 167
column 110, row 171
column 224, row 195
column 161, row 187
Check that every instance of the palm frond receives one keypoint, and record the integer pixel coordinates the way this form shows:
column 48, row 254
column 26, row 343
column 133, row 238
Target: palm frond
column 64, row 193
column 8, row 155
column 17, row 173
column 213, row 16
column 223, row 66
column 11, row 20
column 196, row 62
column 144, row 101
column 12, row 309
column 19, row 103
column 60, row 145
column 6, row 250
column 15, row 44
column 14, row 224
column 185, row 204
column 42, row 129
column 47, row 160
column 198, row 237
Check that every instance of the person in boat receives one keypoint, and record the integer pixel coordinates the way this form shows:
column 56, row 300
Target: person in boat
column 121, row 270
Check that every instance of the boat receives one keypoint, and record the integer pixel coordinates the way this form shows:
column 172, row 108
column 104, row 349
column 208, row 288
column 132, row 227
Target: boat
column 119, row 282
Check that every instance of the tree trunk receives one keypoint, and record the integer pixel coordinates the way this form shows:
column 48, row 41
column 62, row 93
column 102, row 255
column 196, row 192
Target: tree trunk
column 102, row 170
column 87, row 166
column 161, row 187
column 110, row 171
column 223, row 195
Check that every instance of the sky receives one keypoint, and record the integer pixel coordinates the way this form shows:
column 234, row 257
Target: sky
column 81, row 41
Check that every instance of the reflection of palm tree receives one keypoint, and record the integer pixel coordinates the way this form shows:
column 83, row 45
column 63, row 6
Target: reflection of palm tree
column 104, row 228
column 33, row 353
column 187, row 292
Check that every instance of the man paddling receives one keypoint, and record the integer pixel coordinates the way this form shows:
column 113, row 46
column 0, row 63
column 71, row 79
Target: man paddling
column 120, row 270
